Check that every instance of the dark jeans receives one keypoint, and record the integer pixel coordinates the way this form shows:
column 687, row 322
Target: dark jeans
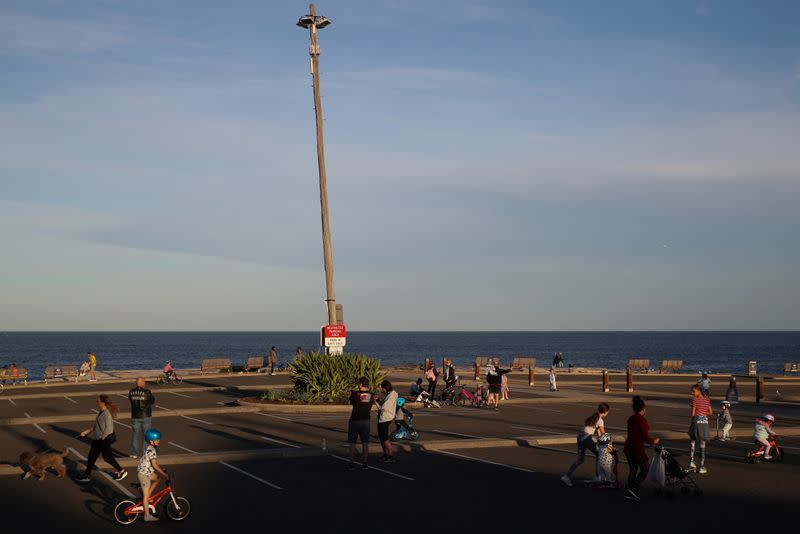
column 101, row 446
column 584, row 442
column 637, row 466
column 432, row 387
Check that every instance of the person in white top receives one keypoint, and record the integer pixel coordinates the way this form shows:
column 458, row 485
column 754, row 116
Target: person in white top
column 593, row 426
column 386, row 414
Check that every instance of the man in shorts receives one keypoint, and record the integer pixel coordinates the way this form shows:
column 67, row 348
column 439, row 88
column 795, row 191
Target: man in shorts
column 148, row 466
column 92, row 366
column 362, row 400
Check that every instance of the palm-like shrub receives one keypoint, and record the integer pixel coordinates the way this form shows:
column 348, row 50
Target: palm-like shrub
column 321, row 376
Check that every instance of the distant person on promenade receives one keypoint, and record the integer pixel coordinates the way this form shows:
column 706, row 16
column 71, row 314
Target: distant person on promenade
column 450, row 377
column 727, row 420
column 593, row 426
column 92, row 365
column 638, row 435
column 494, row 379
column 362, row 400
column 553, row 385
column 705, row 384
column 504, row 387
column 386, row 414
column 142, row 401
column 273, row 360
column 84, row 368
column 12, row 373
column 102, row 435
column 432, row 374
column 698, row 428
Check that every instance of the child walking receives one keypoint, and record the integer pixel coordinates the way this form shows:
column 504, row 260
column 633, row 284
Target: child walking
column 553, row 386
column 727, row 421
column 698, row 429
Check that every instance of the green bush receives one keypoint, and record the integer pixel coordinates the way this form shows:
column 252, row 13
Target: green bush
column 330, row 377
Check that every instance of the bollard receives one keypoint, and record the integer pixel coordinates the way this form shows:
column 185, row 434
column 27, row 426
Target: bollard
column 606, row 389
column 477, row 371
column 759, row 389
column 530, row 376
column 628, row 381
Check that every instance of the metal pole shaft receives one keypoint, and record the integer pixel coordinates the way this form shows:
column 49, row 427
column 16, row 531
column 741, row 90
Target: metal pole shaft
column 327, row 247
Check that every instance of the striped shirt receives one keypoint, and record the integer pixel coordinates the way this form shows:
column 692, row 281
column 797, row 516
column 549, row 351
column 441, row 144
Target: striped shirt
column 701, row 406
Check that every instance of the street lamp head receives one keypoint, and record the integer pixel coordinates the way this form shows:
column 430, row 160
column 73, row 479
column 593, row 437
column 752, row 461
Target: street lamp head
column 307, row 20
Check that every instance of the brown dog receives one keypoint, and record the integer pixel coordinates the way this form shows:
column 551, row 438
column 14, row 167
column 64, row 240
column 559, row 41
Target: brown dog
column 38, row 463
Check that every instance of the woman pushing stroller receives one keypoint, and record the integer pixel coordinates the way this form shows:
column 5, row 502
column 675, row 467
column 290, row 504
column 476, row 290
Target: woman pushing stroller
column 593, row 426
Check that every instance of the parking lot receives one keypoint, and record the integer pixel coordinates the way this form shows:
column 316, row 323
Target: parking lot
column 268, row 466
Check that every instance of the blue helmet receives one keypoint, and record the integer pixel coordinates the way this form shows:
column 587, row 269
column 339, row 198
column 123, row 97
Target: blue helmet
column 401, row 402
column 152, row 434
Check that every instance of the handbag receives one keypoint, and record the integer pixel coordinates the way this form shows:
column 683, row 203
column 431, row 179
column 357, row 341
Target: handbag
column 111, row 438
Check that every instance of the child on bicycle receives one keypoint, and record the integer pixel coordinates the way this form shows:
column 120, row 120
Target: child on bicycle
column 763, row 431
column 168, row 370
column 148, row 467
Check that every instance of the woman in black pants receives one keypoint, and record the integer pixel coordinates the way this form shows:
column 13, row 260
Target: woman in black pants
column 102, row 434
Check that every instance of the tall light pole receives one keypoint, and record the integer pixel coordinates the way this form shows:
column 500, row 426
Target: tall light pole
column 312, row 22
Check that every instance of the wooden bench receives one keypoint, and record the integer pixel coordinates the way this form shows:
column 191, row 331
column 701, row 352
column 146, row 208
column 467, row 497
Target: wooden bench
column 523, row 363
column 791, row 367
column 215, row 364
column 638, row 365
column 670, row 365
column 65, row 372
column 254, row 362
column 22, row 375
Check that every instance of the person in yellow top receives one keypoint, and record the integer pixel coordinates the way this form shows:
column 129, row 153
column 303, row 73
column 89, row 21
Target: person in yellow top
column 92, row 366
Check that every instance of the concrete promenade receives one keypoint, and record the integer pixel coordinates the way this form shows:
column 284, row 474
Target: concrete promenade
column 244, row 465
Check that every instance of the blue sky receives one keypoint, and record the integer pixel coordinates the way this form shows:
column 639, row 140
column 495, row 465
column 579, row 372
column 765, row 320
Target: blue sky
column 492, row 165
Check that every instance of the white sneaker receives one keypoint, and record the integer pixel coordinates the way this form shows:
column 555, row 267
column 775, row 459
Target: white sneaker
column 703, row 470
column 692, row 465
column 767, row 457
column 566, row 480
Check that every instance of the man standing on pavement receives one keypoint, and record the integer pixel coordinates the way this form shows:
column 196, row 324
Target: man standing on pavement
column 92, row 365
column 273, row 360
column 142, row 401
column 362, row 400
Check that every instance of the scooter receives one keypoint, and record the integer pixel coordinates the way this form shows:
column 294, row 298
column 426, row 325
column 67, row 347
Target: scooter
column 405, row 427
column 757, row 455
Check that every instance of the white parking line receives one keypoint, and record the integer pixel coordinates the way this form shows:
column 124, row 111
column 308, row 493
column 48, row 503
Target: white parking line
column 182, row 447
column 457, row 434
column 275, row 416
column 71, row 400
column 180, row 394
column 109, row 477
column 242, row 471
column 123, row 396
column 376, row 469
column 540, row 430
column 12, row 401
column 536, row 408
column 42, row 430
column 481, row 460
column 162, row 408
column 281, row 442
column 195, row 419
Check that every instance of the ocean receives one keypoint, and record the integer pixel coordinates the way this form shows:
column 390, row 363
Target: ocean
column 719, row 352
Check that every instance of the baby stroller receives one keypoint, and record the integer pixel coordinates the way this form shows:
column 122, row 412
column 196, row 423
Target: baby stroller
column 675, row 476
column 405, row 427
column 607, row 465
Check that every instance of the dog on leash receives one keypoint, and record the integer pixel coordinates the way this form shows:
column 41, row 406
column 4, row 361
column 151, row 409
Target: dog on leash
column 38, row 463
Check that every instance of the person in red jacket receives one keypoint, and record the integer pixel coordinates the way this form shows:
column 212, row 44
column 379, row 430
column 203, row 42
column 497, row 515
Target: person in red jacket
column 638, row 435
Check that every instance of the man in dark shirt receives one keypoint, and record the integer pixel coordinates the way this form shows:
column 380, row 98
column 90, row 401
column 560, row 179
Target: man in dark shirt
column 142, row 401
column 362, row 400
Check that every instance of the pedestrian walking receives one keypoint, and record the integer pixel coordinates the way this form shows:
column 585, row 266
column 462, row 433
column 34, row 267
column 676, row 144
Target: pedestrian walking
column 698, row 428
column 386, row 414
column 552, row 378
column 450, row 377
column 727, row 420
column 432, row 374
column 504, row 387
column 362, row 400
column 273, row 360
column 593, row 426
column 638, row 435
column 142, row 400
column 705, row 384
column 92, row 365
column 494, row 378
column 102, row 435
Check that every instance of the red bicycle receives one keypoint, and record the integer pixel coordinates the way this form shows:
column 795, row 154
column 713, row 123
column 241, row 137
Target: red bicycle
column 176, row 508
column 776, row 453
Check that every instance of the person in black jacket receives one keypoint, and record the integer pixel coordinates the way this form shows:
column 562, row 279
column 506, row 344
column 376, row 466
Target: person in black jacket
column 494, row 377
column 142, row 401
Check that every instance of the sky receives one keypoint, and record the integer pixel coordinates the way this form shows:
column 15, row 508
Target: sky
column 492, row 165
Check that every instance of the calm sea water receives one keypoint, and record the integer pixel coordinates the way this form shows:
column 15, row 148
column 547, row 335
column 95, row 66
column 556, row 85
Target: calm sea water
column 716, row 351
